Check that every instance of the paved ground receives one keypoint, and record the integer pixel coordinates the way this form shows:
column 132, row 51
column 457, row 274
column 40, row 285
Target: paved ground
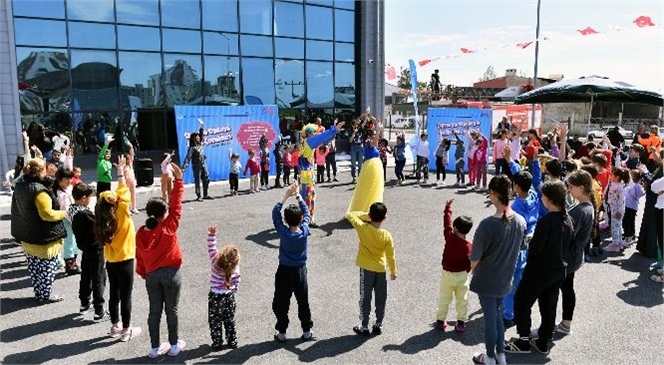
column 618, row 320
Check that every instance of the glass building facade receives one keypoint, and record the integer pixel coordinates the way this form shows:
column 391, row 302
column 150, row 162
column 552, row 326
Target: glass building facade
column 86, row 63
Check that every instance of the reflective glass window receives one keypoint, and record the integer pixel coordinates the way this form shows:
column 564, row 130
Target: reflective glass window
column 258, row 80
column 51, row 32
column 344, row 25
column 344, row 52
column 220, row 15
column 256, row 45
column 181, row 14
column 95, row 79
column 288, row 48
column 91, row 35
column 344, row 85
column 319, row 50
column 44, row 72
column 222, row 80
column 181, row 40
column 289, row 83
column 345, row 4
column 138, row 38
column 321, row 2
column 256, row 16
column 320, row 85
column 319, row 22
column 95, row 10
column 181, row 80
column 39, row 8
column 140, row 79
column 219, row 42
column 137, row 11
column 288, row 20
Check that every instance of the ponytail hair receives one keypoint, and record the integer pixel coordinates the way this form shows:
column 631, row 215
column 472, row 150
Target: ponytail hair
column 500, row 185
column 106, row 224
column 226, row 261
column 156, row 209
column 556, row 193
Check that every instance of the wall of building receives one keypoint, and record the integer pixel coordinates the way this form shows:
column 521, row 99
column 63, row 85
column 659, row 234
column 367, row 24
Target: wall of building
column 10, row 117
column 372, row 47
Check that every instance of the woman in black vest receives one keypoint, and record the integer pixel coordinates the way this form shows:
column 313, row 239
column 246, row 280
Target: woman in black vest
column 196, row 156
column 37, row 222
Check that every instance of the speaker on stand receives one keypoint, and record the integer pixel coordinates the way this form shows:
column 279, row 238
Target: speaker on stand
column 144, row 172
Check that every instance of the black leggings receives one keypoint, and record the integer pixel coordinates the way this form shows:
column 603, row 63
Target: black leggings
column 121, row 284
column 659, row 225
column 568, row 297
column 440, row 168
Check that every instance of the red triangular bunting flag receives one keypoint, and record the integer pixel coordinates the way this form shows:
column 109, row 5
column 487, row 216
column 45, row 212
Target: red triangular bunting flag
column 524, row 45
column 466, row 50
column 587, row 31
column 643, row 21
column 424, row 62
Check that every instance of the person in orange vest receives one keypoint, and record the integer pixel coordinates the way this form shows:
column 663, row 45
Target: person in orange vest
column 648, row 141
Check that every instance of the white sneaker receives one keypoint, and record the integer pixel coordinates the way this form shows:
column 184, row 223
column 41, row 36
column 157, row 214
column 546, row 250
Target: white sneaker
column 500, row 359
column 281, row 337
column 177, row 348
column 613, row 247
column 158, row 351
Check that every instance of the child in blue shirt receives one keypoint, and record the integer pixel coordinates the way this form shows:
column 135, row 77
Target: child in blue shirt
column 291, row 276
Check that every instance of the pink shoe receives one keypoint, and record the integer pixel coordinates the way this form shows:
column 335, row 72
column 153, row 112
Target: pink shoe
column 613, row 247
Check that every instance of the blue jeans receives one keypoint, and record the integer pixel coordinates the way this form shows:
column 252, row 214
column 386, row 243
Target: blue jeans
column 356, row 156
column 518, row 274
column 494, row 330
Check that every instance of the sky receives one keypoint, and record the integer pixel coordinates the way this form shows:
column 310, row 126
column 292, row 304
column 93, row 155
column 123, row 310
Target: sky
column 424, row 29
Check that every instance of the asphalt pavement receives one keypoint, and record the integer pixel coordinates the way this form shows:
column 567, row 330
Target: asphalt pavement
column 618, row 318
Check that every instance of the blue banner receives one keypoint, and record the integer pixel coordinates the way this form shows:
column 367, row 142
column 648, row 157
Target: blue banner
column 226, row 129
column 442, row 122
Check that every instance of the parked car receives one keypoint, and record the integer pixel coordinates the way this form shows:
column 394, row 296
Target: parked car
column 599, row 133
column 403, row 123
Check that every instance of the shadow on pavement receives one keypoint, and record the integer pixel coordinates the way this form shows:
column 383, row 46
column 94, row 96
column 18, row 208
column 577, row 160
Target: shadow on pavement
column 263, row 237
column 57, row 352
column 44, row 326
column 642, row 292
column 187, row 355
column 422, row 342
column 245, row 352
column 26, row 282
column 330, row 227
column 11, row 305
column 330, row 347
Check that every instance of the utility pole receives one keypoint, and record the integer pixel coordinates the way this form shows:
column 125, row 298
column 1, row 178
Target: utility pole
column 537, row 39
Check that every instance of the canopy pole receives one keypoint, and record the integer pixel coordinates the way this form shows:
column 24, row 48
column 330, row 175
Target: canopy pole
column 537, row 36
column 590, row 112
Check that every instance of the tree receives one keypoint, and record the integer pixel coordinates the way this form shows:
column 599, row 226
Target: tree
column 403, row 81
column 451, row 92
column 489, row 74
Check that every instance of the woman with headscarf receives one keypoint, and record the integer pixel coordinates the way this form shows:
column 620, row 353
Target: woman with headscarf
column 37, row 222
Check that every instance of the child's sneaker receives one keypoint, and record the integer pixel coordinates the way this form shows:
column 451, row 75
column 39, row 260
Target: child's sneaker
column 100, row 317
column 361, row 330
column 441, row 325
column 613, row 247
column 177, row 348
column 542, row 349
column 279, row 336
column 131, row 333
column 500, row 359
column 456, row 185
column 561, row 328
column 625, row 243
column 307, row 336
column 483, row 359
column 460, row 327
column 84, row 309
column 517, row 346
column 158, row 351
column 377, row 329
column 115, row 331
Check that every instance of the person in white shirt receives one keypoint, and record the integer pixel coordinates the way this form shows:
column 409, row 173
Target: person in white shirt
column 498, row 147
column 423, row 158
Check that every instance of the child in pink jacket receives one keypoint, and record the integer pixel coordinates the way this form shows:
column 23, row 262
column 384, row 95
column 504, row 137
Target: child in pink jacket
column 254, row 169
column 320, row 154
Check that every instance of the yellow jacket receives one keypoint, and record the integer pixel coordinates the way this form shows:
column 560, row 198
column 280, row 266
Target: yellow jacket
column 123, row 244
column 376, row 249
column 44, row 204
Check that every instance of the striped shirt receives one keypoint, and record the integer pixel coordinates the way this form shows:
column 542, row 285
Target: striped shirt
column 217, row 279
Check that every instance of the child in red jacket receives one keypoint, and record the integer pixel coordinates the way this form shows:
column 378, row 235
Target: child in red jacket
column 456, row 265
column 158, row 261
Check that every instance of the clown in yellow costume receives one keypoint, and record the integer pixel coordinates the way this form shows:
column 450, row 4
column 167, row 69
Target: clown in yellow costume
column 371, row 182
column 311, row 141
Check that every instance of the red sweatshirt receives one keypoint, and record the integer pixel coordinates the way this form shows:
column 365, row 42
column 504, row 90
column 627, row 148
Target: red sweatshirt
column 456, row 255
column 158, row 247
column 253, row 167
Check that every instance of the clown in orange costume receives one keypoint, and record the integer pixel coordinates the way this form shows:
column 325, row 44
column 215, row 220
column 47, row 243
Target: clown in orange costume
column 311, row 141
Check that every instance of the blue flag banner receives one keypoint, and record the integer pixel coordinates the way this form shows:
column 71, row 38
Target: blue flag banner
column 413, row 91
column 227, row 129
column 443, row 122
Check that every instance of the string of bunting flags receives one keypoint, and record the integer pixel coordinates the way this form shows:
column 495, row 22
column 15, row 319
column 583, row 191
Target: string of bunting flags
column 642, row 21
